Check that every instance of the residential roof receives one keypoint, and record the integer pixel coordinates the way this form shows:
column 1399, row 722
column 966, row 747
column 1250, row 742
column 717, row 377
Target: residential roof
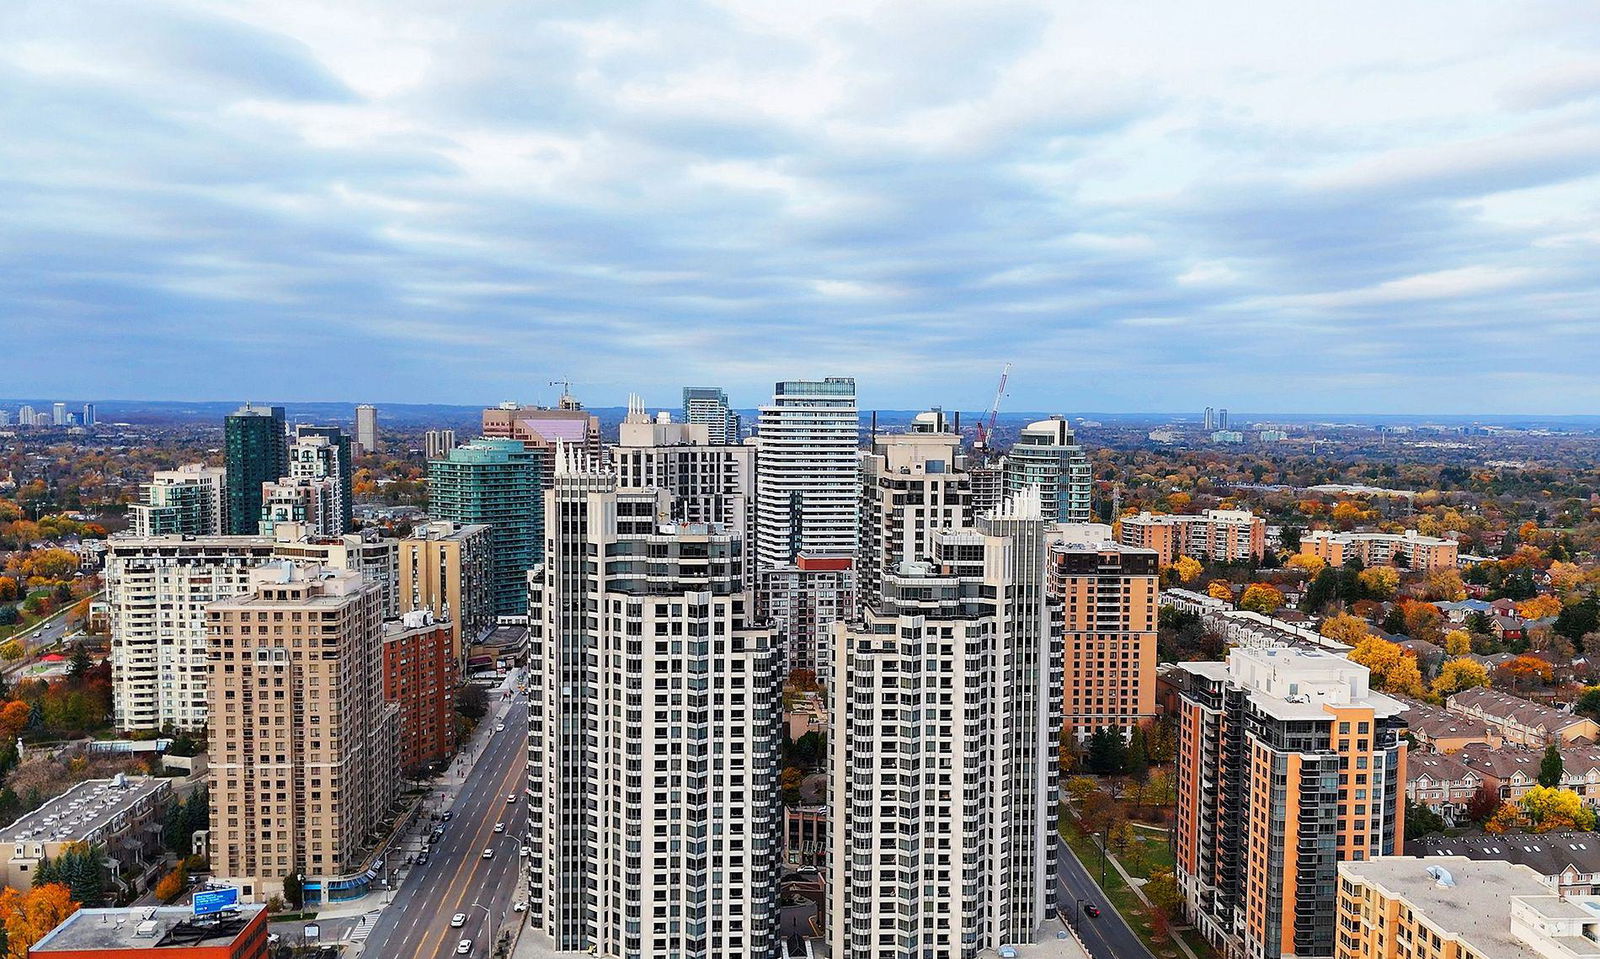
column 83, row 812
column 1432, row 723
column 1509, row 708
column 1437, row 767
column 1548, row 854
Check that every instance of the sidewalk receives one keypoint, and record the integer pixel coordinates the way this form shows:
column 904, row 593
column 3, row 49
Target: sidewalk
column 441, row 797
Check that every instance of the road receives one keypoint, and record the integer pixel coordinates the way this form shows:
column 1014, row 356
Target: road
column 416, row 923
column 1106, row 936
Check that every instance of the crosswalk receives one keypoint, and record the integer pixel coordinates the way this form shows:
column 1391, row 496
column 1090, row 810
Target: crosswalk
column 364, row 928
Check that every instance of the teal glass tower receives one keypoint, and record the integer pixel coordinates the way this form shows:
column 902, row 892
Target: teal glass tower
column 498, row 482
column 256, row 452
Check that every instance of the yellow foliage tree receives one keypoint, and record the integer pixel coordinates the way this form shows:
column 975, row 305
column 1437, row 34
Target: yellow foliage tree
column 1565, row 577
column 1547, row 809
column 1458, row 642
column 1380, row 581
column 27, row 916
column 1261, row 598
column 1310, row 562
column 1220, row 589
column 1345, row 628
column 1539, row 607
column 1188, row 569
column 1393, row 671
column 1444, row 586
column 1458, row 674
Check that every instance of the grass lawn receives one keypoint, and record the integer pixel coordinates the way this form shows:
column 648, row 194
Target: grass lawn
column 1147, row 853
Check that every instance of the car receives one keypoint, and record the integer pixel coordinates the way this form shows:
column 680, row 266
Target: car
column 511, row 798
column 526, row 851
column 499, row 827
column 519, row 906
column 449, row 815
column 458, row 920
column 1092, row 911
column 488, row 854
column 464, row 947
column 499, row 727
column 422, row 860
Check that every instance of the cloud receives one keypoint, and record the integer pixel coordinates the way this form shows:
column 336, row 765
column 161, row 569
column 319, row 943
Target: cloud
column 1151, row 206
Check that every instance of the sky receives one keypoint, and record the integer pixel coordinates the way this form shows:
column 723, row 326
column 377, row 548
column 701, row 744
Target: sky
column 1151, row 206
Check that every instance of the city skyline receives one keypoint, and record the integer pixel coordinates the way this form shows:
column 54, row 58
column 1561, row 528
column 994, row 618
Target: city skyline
column 1322, row 212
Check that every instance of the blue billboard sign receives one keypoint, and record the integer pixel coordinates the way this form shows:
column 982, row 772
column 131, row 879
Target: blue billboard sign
column 209, row 901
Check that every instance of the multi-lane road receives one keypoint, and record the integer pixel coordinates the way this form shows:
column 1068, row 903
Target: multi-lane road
column 456, row 878
column 1107, row 935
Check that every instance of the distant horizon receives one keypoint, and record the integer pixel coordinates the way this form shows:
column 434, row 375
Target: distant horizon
column 1171, row 415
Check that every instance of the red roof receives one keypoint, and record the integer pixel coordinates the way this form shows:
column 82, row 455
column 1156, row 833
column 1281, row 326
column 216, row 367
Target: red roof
column 53, row 658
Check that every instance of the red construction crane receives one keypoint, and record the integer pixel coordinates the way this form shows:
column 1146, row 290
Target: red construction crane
column 986, row 428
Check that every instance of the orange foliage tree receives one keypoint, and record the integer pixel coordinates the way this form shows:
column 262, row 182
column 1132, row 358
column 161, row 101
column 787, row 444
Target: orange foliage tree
column 27, row 916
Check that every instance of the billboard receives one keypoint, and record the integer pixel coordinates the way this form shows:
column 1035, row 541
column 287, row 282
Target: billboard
column 208, row 901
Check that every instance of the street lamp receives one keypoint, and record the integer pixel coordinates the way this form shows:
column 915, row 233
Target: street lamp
column 488, row 944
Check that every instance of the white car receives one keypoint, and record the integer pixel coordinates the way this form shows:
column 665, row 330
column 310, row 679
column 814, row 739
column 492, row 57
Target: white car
column 464, row 947
column 488, row 854
column 499, row 727
column 511, row 798
column 519, row 906
column 458, row 920
column 499, row 827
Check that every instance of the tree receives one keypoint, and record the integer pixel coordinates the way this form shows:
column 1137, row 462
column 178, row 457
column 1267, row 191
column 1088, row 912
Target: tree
column 294, row 887
column 1345, row 628
column 1423, row 621
column 802, row 679
column 81, row 664
column 1393, row 671
column 11, row 651
column 1261, row 598
column 1311, row 563
column 1458, row 642
column 27, row 916
column 1323, row 590
column 789, row 784
column 1422, row 820
column 170, row 886
column 472, row 701
column 1545, row 809
column 1443, row 586
column 1162, row 891
column 1188, row 569
column 1505, row 818
column 1539, row 607
column 1579, row 619
column 1588, row 703
column 1458, row 674
column 1523, row 673
column 1379, row 582
column 1220, row 589
column 1483, row 804
column 1108, row 753
column 1550, row 768
column 1138, row 765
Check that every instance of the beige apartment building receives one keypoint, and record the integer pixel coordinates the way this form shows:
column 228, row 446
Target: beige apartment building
column 1453, row 907
column 303, row 747
column 1410, row 549
column 1218, row 535
column 1109, row 599
column 446, row 569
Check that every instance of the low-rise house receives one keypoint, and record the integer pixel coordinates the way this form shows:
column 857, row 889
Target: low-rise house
column 123, row 815
column 1442, row 731
column 1442, row 783
column 1513, row 770
column 1521, row 721
column 1568, row 861
column 1460, row 612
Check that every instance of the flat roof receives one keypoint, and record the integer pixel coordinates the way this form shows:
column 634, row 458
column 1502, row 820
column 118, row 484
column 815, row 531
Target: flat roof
column 83, row 810
column 142, row 927
column 1477, row 905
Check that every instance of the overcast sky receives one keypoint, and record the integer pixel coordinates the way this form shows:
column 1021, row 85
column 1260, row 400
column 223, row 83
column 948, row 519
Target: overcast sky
column 1270, row 206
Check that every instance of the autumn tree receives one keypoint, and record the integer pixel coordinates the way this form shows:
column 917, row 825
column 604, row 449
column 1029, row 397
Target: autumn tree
column 1187, row 569
column 1311, row 563
column 1523, row 673
column 1458, row 674
column 1484, row 802
column 1443, row 586
column 1539, row 607
column 1345, row 628
column 1393, row 671
column 27, row 916
column 1458, row 642
column 1261, row 598
column 1546, row 809
column 1220, row 589
column 1422, row 621
column 1379, row 582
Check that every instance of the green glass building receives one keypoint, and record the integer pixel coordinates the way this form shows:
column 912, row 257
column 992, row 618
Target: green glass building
column 498, row 482
column 257, row 451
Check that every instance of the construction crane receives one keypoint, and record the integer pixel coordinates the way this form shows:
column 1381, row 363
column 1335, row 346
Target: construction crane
column 986, row 426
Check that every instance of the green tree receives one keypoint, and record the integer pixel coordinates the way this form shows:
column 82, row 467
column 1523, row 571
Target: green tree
column 81, row 664
column 1108, row 752
column 1421, row 820
column 1550, row 768
column 1138, row 764
column 294, row 887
